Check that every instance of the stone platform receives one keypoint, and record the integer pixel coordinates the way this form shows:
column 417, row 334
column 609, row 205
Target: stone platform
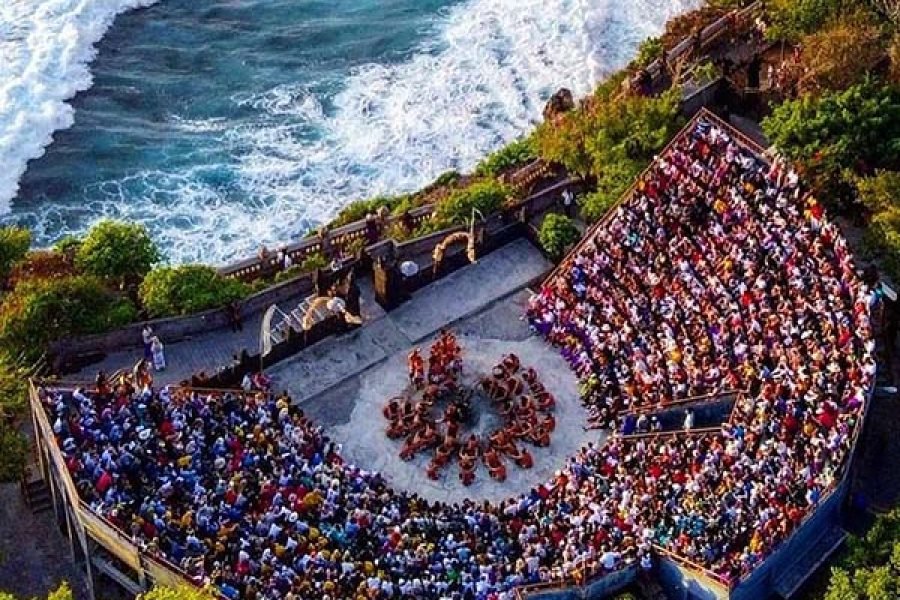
column 366, row 445
column 343, row 382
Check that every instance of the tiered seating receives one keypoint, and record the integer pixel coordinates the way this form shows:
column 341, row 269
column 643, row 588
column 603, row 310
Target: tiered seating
column 719, row 273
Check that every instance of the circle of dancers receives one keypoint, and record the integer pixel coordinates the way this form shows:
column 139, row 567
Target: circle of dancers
column 432, row 414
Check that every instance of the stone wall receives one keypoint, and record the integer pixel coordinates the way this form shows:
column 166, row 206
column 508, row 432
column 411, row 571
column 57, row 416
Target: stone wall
column 72, row 352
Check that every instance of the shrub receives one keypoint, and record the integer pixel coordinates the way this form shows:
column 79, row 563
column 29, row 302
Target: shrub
column 879, row 192
column 649, row 50
column 446, row 178
column 41, row 264
column 14, row 244
column 842, row 53
column 485, row 196
column 39, row 311
column 13, row 389
column 13, row 447
column 614, row 182
column 63, row 592
column 882, row 239
column 68, row 245
column 313, row 261
column 358, row 209
column 289, row 273
column 792, row 19
column 120, row 252
column 182, row 592
column 557, row 233
column 705, row 72
column 516, row 154
column 187, row 289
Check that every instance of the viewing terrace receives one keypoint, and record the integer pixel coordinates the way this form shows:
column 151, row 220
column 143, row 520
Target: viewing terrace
column 716, row 296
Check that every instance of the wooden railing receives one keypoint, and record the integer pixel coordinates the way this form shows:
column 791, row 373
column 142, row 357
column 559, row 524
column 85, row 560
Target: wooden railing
column 86, row 522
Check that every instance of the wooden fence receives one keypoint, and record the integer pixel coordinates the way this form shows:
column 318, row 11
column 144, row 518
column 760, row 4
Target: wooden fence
column 82, row 525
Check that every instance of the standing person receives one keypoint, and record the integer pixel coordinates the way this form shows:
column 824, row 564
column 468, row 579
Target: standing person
column 159, row 356
column 147, row 336
column 689, row 419
column 568, row 202
column 233, row 312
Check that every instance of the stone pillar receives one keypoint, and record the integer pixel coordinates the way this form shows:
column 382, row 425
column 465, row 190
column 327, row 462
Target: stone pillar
column 388, row 281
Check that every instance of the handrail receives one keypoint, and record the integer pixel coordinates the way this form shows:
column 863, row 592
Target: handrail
column 695, row 567
column 59, row 471
column 657, row 408
column 357, row 229
column 688, row 433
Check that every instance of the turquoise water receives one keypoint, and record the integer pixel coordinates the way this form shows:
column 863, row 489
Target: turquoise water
column 222, row 125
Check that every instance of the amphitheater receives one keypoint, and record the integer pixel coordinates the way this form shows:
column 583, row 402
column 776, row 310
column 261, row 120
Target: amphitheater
column 710, row 351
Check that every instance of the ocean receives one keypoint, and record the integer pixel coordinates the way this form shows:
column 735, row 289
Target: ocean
column 222, row 125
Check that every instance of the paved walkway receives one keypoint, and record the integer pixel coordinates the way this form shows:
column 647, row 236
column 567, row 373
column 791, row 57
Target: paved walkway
column 34, row 555
column 467, row 292
column 495, row 275
column 213, row 349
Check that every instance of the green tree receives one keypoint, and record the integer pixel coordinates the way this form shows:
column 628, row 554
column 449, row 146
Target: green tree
column 39, row 311
column 839, row 132
column 515, row 154
column 187, row 289
column 563, row 141
column 119, row 252
column 14, row 244
column 609, row 130
column 870, row 567
column 486, row 196
column 557, row 233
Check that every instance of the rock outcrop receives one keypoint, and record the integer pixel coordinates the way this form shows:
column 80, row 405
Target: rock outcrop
column 560, row 102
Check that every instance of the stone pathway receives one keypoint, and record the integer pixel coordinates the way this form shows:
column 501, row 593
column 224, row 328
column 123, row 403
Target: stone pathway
column 467, row 290
column 34, row 555
column 213, row 349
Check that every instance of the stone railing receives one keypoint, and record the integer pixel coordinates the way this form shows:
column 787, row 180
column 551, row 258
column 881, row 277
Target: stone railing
column 68, row 354
column 341, row 237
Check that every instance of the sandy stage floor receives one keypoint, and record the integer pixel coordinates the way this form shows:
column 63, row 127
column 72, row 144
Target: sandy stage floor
column 365, row 443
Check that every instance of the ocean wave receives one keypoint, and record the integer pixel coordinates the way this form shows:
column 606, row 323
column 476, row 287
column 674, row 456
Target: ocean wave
column 46, row 47
column 296, row 156
column 480, row 82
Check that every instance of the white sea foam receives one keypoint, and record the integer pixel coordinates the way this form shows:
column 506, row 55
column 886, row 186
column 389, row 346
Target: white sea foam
column 479, row 82
column 46, row 47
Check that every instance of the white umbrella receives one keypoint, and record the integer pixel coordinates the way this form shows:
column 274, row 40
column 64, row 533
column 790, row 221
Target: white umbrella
column 409, row 268
column 336, row 305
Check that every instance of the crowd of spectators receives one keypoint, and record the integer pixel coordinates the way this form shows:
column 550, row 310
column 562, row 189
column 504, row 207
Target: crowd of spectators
column 720, row 273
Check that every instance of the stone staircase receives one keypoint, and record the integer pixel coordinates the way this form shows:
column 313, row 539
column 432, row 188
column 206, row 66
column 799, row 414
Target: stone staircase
column 294, row 319
column 35, row 491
